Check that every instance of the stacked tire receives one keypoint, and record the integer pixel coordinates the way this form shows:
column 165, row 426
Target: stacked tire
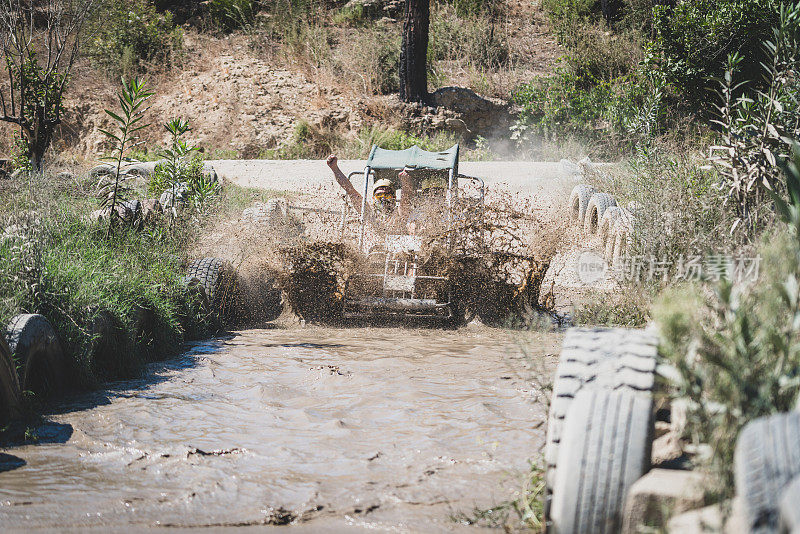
column 597, row 213
column 600, row 427
column 767, row 473
column 9, row 384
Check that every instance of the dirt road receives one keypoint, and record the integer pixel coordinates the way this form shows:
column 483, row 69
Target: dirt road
column 530, row 178
column 332, row 430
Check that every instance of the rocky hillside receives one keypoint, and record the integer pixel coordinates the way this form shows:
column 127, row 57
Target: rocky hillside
column 248, row 94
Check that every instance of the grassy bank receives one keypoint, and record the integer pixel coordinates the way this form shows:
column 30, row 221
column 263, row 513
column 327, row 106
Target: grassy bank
column 54, row 260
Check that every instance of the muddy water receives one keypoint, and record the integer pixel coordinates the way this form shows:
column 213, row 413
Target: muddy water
column 329, row 429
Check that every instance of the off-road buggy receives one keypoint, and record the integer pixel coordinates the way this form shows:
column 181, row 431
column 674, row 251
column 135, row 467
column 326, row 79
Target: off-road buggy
column 410, row 275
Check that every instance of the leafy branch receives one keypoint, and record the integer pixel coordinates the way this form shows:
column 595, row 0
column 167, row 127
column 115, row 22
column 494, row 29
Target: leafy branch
column 131, row 99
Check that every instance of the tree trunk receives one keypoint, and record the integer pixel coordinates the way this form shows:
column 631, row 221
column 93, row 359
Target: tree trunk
column 414, row 53
column 36, row 150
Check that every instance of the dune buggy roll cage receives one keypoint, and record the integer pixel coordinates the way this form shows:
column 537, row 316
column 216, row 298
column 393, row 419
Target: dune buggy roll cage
column 397, row 287
column 413, row 158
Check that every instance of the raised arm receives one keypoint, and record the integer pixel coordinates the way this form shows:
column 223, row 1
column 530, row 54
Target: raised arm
column 355, row 196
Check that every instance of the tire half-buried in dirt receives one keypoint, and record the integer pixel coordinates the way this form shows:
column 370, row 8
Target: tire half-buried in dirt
column 607, row 444
column 221, row 286
column 38, row 354
column 605, row 358
column 9, row 384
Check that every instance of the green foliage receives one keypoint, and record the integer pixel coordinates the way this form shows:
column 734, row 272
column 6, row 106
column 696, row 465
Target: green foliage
column 561, row 103
column 173, row 169
column 629, row 310
column 570, row 12
column 130, row 36
column 229, row 15
column 39, row 90
column 350, row 16
column 756, row 125
column 694, row 38
column 599, row 91
column 737, row 352
column 59, row 264
column 20, row 155
column 131, row 98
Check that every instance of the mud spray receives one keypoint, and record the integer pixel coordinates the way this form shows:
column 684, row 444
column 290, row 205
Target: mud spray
column 499, row 255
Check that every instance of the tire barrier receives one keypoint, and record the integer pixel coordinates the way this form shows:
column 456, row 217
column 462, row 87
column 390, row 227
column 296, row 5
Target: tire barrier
column 767, row 458
column 38, row 354
column 598, row 204
column 579, row 201
column 607, row 445
column 606, row 358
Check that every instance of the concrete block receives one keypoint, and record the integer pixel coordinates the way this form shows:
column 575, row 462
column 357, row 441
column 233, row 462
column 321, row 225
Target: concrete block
column 659, row 493
column 724, row 517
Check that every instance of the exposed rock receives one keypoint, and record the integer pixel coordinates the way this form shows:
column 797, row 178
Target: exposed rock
column 151, row 209
column 661, row 491
column 709, row 519
column 480, row 115
column 457, row 110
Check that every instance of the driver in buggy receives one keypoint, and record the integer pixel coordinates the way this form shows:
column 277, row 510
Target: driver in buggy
column 416, row 211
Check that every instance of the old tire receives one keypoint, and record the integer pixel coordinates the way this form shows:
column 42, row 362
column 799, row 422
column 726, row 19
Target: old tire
column 578, row 202
column 607, row 445
column 607, row 358
column 767, row 457
column 789, row 511
column 618, row 238
column 219, row 282
column 610, row 216
column 621, row 244
column 38, row 354
column 598, row 204
column 9, row 384
column 107, row 357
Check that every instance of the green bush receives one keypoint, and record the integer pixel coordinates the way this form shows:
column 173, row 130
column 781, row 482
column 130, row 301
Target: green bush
column 694, row 39
column 737, row 351
column 132, row 35
column 20, row 160
column 561, row 103
column 229, row 15
column 161, row 179
column 63, row 266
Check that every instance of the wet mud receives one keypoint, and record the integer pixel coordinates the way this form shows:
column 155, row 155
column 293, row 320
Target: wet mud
column 326, row 429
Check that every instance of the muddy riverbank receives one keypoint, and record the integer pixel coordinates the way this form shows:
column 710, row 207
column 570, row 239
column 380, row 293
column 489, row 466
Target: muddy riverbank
column 328, row 429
